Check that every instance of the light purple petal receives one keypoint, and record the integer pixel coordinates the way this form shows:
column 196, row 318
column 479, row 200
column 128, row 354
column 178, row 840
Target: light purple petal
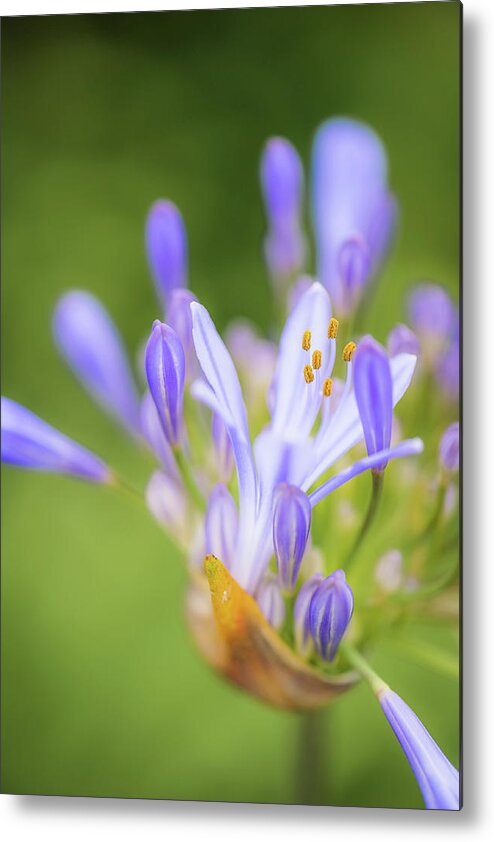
column 449, row 447
column 165, row 372
column 166, row 500
column 166, row 247
column 224, row 458
column 29, row 442
column 155, row 436
column 432, row 312
column 437, row 778
column 221, row 525
column 270, row 601
column 282, row 187
column 301, row 615
column 179, row 317
column 89, row 341
column 373, row 388
column 402, row 340
column 291, row 526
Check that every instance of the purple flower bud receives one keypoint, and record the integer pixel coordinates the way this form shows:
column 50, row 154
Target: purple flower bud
column 166, row 500
column 301, row 615
column 330, row 612
column 402, row 340
column 282, row 187
column 436, row 776
column 354, row 266
column 432, row 313
column 165, row 371
column 166, row 246
column 291, row 526
column 89, row 341
column 374, row 395
column 449, row 447
column 155, row 437
column 221, row 525
column 447, row 370
column 222, row 448
column 179, row 317
column 270, row 601
column 29, row 442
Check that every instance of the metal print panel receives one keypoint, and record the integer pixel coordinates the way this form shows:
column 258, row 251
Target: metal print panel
column 230, row 422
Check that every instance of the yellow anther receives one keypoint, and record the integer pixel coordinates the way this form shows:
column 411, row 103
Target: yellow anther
column 316, row 359
column 327, row 387
column 306, row 340
column 333, row 329
column 348, row 351
column 308, row 373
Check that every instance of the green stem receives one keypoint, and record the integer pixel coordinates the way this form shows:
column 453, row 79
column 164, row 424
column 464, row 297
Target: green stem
column 311, row 761
column 188, row 479
column 358, row 662
column 377, row 487
column 128, row 489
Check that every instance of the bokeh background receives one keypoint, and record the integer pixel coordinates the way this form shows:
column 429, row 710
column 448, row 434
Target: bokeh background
column 103, row 692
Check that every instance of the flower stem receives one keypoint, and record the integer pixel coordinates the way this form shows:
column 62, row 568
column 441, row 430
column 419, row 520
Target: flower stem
column 358, row 662
column 311, row 762
column 377, row 487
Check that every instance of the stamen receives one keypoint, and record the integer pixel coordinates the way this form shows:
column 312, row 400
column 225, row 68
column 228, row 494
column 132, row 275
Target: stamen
column 306, row 338
column 327, row 387
column 308, row 373
column 348, row 351
column 316, row 359
column 333, row 328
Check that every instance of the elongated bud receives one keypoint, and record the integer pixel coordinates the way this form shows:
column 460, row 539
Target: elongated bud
column 165, row 371
column 270, row 601
column 330, row 612
column 282, row 187
column 89, row 341
column 291, row 526
column 301, row 619
column 155, row 436
column 179, row 317
column 29, row 442
column 449, row 447
column 432, row 314
column 166, row 246
column 354, row 265
column 166, row 500
column 402, row 340
column 374, row 395
column 223, row 449
column 437, row 778
column 221, row 525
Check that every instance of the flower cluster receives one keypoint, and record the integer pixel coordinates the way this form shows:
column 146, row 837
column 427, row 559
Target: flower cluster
column 250, row 490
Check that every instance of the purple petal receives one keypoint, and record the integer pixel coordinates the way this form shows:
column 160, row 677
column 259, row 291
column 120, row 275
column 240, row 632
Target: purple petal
column 432, row 313
column 354, row 267
column 449, row 447
column 270, row 601
column 222, row 448
column 166, row 500
column 165, row 371
column 301, row 615
column 179, row 317
column 350, row 197
column 221, row 525
column 166, row 246
column 373, row 387
column 155, row 436
column 29, row 442
column 89, row 341
column 402, row 340
column 330, row 612
column 291, row 526
column 282, row 186
column 447, row 369
column 436, row 776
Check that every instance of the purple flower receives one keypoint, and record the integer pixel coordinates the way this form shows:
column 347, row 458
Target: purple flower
column 449, row 447
column 301, row 615
column 432, row 314
column 166, row 246
column 89, row 341
column 179, row 318
column 292, row 513
column 282, row 187
column 221, row 525
column 29, row 442
column 165, row 371
column 222, row 448
column 436, row 776
column 403, row 340
column 270, row 601
column 373, row 385
column 351, row 204
column 330, row 612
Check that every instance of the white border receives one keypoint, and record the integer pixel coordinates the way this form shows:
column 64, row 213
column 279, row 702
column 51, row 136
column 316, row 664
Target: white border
column 77, row 819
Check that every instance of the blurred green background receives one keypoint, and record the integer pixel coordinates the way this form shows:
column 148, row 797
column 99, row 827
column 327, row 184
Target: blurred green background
column 103, row 692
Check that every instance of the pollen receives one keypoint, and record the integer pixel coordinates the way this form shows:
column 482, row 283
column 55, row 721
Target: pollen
column 333, row 329
column 306, row 338
column 316, row 359
column 327, row 387
column 308, row 373
column 348, row 351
